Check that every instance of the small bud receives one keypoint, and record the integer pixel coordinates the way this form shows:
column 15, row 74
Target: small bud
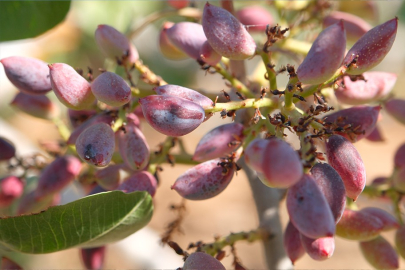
column 57, row 175
column 70, row 88
column 209, row 55
column 109, row 178
column 170, row 115
column 388, row 220
column 374, row 86
column 93, row 258
column 357, row 225
column 202, row 261
column 292, row 243
column 186, row 93
column 344, row 158
column 371, row 48
column 379, row 253
column 332, row 187
column 325, row 55
column 36, row 106
column 396, row 108
column 255, row 18
column 203, row 181
column 219, row 142
column 226, row 34
column 355, row 26
column 139, row 181
column 11, row 188
column 362, row 121
column 99, row 118
column 188, row 37
column 114, row 44
column 96, row 144
column 399, row 158
column 133, row 147
column 111, row 89
column 400, row 241
column 29, row 75
column 7, row 149
column 308, row 209
column 318, row 249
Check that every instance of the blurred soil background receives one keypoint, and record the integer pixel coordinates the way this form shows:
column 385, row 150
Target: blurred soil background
column 233, row 210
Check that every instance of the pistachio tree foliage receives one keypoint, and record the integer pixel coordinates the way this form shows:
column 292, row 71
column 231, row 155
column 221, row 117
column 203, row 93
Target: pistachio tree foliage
column 103, row 148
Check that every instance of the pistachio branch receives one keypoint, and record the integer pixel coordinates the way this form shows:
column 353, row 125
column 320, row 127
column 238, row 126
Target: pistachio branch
column 237, row 105
column 231, row 239
column 237, row 84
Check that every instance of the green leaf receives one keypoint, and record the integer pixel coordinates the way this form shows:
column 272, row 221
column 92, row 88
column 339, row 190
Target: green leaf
column 92, row 221
column 27, row 19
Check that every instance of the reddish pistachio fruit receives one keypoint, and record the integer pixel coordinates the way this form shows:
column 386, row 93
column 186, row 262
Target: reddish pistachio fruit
column 170, row 115
column 57, row 175
column 379, row 253
column 255, row 18
column 332, row 187
column 93, row 258
column 292, row 243
column 398, row 179
column 133, row 147
column 109, row 178
column 399, row 158
column 168, row 49
column 219, row 142
column 203, row 181
column 36, row 106
column 7, row 149
column 325, row 56
column 367, row 9
column 400, row 241
column 318, row 249
column 388, row 220
column 139, row 181
column 375, row 85
column 209, row 55
column 7, row 263
column 344, row 158
column 186, row 93
column 375, row 135
column 30, row 203
column 114, row 44
column 188, row 37
column 372, row 47
column 226, row 34
column 202, row 261
column 111, row 89
column 178, row 4
column 96, row 144
column 276, row 162
column 70, row 88
column 308, row 209
column 133, row 119
column 396, row 108
column 355, row 26
column 362, row 119
column 99, row 118
column 357, row 225
column 29, row 75
column 11, row 188
column 76, row 118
